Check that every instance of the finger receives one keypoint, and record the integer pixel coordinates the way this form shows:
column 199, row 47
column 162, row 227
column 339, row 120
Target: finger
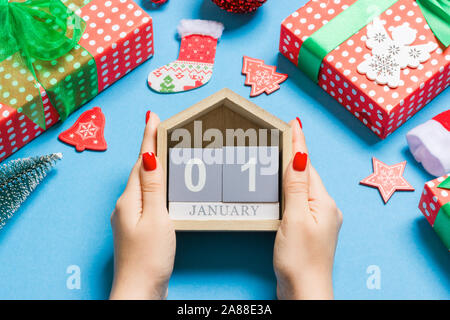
column 152, row 185
column 150, row 133
column 298, row 138
column 320, row 201
column 151, row 175
column 296, row 181
column 129, row 205
column 134, row 183
column 316, row 186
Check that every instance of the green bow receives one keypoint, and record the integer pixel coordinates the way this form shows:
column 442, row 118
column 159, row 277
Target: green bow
column 33, row 31
column 39, row 29
column 357, row 16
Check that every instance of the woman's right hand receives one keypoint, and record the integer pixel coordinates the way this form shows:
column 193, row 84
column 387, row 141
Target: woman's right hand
column 306, row 240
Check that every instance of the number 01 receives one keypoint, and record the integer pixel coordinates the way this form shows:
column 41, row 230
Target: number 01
column 250, row 166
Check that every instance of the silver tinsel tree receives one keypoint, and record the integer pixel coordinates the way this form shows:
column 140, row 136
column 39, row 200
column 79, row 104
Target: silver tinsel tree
column 18, row 178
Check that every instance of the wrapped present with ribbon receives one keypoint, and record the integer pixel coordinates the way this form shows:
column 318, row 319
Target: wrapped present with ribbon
column 435, row 206
column 56, row 55
column 383, row 60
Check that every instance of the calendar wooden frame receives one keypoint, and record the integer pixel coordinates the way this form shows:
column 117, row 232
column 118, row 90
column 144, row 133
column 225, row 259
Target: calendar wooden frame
column 245, row 114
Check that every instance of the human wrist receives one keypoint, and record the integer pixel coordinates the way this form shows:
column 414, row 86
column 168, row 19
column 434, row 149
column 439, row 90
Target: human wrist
column 317, row 285
column 134, row 288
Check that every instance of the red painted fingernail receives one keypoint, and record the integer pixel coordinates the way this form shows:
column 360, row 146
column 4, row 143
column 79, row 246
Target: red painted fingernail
column 147, row 116
column 300, row 161
column 299, row 122
column 149, row 161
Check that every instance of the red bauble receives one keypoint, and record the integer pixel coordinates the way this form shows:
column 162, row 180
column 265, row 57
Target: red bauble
column 239, row 6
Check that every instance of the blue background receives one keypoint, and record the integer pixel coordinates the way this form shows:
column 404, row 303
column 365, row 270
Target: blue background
column 66, row 220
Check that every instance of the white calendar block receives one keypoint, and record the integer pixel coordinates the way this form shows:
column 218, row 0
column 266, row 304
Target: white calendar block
column 223, row 211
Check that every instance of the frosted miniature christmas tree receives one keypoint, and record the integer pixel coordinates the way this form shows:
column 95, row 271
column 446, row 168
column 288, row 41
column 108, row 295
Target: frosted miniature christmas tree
column 18, row 178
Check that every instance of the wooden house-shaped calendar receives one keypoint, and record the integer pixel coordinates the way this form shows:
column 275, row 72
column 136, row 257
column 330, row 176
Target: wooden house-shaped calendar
column 224, row 158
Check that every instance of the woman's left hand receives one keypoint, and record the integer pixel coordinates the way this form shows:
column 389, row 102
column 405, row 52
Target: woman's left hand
column 144, row 236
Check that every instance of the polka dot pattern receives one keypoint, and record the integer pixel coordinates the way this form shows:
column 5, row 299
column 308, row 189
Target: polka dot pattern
column 379, row 107
column 198, row 48
column 119, row 35
column 433, row 198
column 17, row 88
column 74, row 74
column 16, row 129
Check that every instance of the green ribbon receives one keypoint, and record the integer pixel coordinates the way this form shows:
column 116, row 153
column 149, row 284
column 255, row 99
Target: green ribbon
column 442, row 224
column 35, row 36
column 445, row 184
column 38, row 28
column 437, row 14
column 354, row 18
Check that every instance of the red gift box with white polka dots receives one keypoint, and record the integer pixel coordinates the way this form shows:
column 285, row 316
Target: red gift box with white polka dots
column 433, row 198
column 381, row 108
column 118, row 34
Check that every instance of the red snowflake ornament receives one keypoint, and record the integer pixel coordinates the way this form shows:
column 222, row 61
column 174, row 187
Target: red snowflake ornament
column 87, row 132
column 261, row 77
column 387, row 179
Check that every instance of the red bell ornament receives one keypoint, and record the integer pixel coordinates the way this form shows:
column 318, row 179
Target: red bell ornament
column 87, row 132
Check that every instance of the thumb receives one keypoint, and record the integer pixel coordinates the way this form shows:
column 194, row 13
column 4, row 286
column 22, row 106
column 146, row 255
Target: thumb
column 151, row 172
column 152, row 184
column 296, row 180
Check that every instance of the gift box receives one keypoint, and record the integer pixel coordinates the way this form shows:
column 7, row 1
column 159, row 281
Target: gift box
column 388, row 62
column 435, row 206
column 117, row 36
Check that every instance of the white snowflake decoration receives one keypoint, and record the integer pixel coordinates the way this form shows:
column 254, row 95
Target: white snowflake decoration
column 262, row 78
column 87, row 130
column 390, row 56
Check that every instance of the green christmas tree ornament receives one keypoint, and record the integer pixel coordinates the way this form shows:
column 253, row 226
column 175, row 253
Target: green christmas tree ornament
column 18, row 178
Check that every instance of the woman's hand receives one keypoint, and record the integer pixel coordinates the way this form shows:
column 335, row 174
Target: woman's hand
column 144, row 237
column 306, row 240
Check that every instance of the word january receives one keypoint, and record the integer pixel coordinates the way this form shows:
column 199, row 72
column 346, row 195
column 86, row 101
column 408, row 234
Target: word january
column 223, row 210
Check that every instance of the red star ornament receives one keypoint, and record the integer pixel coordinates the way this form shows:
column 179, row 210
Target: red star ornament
column 87, row 131
column 261, row 77
column 387, row 179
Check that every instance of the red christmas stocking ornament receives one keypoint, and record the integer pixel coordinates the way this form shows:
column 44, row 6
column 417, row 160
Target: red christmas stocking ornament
column 195, row 63
column 87, row 132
